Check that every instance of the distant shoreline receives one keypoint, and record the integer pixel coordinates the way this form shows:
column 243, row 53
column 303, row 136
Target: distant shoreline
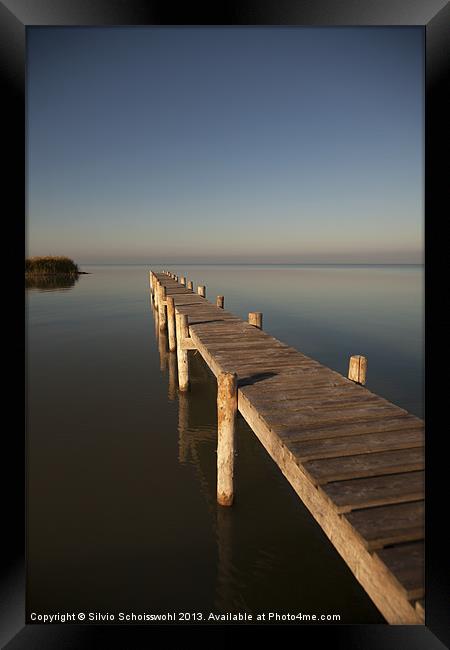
column 180, row 264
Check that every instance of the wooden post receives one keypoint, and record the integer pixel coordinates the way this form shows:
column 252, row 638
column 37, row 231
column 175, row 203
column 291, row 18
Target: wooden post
column 183, row 280
column 162, row 308
column 357, row 369
column 170, row 304
column 151, row 286
column 226, row 424
column 201, row 290
column 156, row 292
column 255, row 318
column 190, row 285
column 182, row 329
column 219, row 301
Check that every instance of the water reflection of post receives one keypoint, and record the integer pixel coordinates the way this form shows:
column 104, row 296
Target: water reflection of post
column 167, row 359
column 162, row 347
column 183, row 426
column 173, row 375
column 224, row 600
column 190, row 435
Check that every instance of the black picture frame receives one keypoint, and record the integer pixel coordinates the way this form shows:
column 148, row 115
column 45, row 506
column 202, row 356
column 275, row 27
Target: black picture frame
column 15, row 17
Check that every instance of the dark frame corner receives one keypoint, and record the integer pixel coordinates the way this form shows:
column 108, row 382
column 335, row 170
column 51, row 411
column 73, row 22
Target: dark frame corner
column 15, row 17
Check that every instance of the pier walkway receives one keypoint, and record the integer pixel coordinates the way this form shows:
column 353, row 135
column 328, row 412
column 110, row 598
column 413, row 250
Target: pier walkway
column 355, row 460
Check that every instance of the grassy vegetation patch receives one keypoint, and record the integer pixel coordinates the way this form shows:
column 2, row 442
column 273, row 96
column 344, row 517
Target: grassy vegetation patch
column 50, row 266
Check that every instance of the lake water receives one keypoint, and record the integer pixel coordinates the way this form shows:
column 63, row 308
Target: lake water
column 121, row 469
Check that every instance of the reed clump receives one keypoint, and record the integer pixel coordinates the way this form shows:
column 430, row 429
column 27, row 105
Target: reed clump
column 50, row 265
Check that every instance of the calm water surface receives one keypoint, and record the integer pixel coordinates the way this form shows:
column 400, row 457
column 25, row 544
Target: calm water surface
column 121, row 469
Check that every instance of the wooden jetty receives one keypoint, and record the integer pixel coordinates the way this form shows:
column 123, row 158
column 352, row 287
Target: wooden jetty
column 354, row 459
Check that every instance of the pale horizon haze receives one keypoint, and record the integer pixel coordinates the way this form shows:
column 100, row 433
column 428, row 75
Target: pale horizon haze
column 175, row 145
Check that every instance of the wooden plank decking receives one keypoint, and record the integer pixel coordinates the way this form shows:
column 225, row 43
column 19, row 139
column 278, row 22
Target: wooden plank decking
column 355, row 459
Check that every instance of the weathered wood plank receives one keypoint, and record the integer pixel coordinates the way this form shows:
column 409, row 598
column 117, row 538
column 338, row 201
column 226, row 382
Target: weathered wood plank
column 194, row 311
column 195, row 319
column 268, row 361
column 407, row 563
column 248, row 356
column 245, row 347
column 280, row 361
column 173, row 288
column 376, row 464
column 246, row 368
column 311, row 417
column 291, row 393
column 236, row 327
column 379, row 584
column 250, row 330
column 199, row 310
column 420, row 609
column 286, row 383
column 352, row 445
column 325, row 400
column 376, row 491
column 353, row 428
column 186, row 300
column 392, row 524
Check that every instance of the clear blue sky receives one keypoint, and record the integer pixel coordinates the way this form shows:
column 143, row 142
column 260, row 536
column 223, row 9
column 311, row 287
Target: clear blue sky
column 226, row 144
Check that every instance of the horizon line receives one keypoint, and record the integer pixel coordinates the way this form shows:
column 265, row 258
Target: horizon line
column 256, row 263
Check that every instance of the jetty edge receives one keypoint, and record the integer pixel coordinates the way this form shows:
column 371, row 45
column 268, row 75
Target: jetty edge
column 355, row 459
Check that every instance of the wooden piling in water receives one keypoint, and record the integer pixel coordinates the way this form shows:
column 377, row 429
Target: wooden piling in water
column 162, row 349
column 226, row 424
column 156, row 292
column 201, row 290
column 183, row 280
column 162, row 308
column 255, row 319
column 190, row 285
column 171, row 327
column 182, row 332
column 357, row 369
column 220, row 301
